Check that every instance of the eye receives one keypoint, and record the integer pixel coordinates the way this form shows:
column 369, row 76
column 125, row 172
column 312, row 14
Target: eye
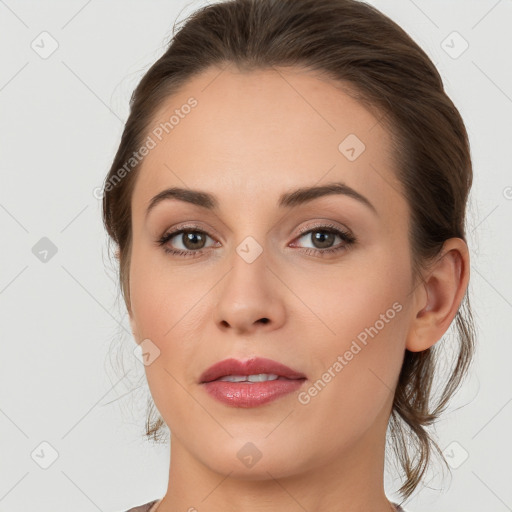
column 189, row 241
column 323, row 237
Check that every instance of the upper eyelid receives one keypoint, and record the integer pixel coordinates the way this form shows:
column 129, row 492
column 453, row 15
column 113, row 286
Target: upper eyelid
column 322, row 225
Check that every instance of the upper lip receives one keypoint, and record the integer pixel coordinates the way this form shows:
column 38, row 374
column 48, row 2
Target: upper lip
column 246, row 367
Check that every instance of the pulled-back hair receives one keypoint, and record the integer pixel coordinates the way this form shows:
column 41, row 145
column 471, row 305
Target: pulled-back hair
column 378, row 63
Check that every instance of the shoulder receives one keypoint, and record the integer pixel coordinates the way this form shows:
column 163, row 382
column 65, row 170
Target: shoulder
column 147, row 507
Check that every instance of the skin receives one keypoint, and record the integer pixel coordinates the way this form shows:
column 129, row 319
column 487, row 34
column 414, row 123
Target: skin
column 253, row 136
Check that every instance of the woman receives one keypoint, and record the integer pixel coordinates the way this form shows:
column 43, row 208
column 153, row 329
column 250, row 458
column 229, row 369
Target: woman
column 288, row 208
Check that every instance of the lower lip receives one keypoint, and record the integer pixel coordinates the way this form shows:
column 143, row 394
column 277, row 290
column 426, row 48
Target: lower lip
column 251, row 394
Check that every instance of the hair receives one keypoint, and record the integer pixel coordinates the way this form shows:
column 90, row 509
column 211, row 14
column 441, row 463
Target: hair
column 375, row 60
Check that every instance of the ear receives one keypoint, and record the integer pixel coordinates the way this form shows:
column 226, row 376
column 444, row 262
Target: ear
column 437, row 300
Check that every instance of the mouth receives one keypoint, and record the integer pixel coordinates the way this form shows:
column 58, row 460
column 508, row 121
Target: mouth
column 250, row 383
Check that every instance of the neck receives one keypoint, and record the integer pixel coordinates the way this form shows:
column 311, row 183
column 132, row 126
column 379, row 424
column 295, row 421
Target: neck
column 350, row 480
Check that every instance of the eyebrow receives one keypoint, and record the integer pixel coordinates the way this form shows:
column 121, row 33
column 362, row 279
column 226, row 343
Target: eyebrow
column 286, row 200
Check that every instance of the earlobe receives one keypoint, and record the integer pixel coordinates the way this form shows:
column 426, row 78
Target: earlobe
column 439, row 296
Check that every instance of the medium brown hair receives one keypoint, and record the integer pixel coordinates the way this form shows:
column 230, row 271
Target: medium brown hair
column 370, row 55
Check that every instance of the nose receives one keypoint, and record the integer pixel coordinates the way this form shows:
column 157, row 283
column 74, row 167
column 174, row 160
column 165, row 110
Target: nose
column 251, row 297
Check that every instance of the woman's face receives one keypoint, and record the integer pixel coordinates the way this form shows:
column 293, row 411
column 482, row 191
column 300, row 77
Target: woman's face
column 263, row 276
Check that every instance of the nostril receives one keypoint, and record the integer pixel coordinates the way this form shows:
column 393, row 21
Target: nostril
column 264, row 320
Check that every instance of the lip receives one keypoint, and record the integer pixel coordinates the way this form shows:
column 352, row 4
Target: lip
column 250, row 394
column 246, row 367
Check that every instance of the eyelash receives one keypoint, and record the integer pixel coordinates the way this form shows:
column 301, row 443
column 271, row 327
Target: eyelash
column 346, row 236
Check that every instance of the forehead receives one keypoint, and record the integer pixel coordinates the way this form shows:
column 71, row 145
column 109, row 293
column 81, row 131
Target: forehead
column 250, row 136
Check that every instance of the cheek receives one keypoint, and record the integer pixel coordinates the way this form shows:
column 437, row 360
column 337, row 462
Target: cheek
column 164, row 299
column 355, row 368
column 344, row 301
column 167, row 312
column 360, row 324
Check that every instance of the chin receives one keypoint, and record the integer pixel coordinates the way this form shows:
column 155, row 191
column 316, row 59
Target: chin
column 253, row 460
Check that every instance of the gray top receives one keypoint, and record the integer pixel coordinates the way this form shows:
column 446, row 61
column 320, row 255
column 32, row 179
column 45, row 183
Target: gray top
column 152, row 505
column 148, row 507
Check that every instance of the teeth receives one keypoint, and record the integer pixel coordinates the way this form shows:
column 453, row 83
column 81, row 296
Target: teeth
column 261, row 377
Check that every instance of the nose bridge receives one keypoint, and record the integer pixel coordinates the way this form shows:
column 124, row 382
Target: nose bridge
column 252, row 257
column 248, row 262
column 249, row 229
column 250, row 292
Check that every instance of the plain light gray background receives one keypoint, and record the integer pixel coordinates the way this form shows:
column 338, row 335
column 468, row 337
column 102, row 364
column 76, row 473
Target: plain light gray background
column 61, row 119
